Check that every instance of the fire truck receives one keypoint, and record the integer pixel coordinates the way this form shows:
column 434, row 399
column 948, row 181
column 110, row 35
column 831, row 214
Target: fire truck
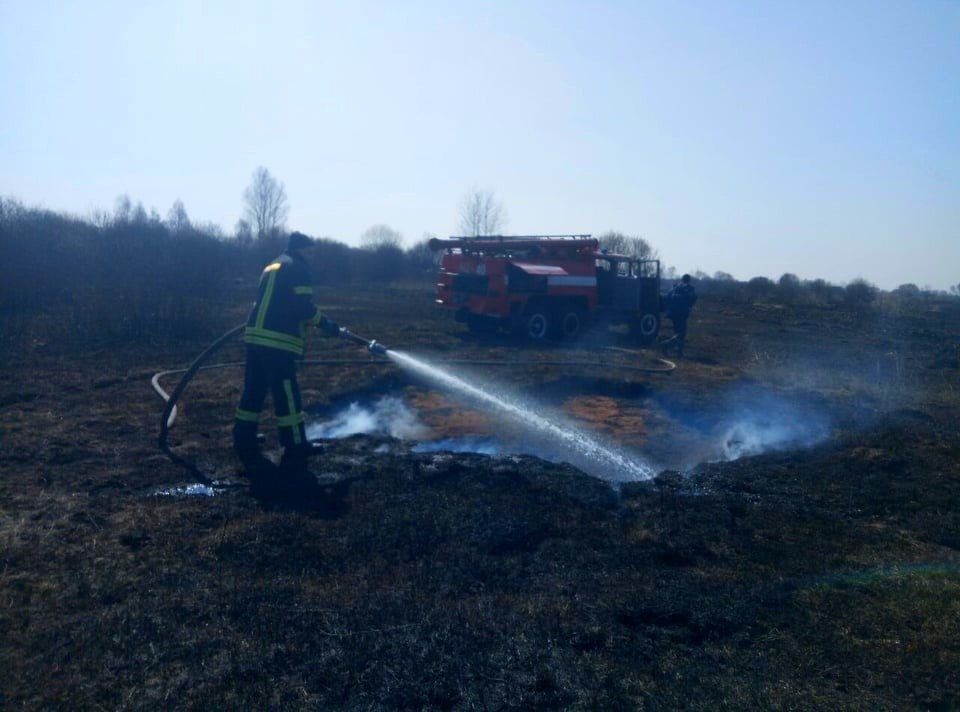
column 546, row 286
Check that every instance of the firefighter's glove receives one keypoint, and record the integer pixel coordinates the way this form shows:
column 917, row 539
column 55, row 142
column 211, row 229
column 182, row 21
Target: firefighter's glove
column 327, row 327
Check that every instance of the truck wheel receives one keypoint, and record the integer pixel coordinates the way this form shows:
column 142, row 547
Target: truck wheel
column 572, row 323
column 538, row 324
column 646, row 327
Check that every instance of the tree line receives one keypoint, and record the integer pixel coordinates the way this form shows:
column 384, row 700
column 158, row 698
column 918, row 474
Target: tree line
column 132, row 274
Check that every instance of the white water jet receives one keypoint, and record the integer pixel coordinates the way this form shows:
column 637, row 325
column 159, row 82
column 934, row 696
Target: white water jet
column 583, row 449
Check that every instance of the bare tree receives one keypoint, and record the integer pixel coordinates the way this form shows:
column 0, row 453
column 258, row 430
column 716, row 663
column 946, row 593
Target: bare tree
column 265, row 203
column 481, row 214
column 630, row 245
column 122, row 209
column 177, row 219
column 379, row 236
column 139, row 214
column 243, row 233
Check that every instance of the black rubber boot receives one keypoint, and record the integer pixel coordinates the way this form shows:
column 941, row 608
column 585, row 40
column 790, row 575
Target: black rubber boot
column 253, row 461
column 295, row 459
column 293, row 475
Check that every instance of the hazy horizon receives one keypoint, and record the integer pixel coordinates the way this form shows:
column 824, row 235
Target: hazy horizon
column 750, row 138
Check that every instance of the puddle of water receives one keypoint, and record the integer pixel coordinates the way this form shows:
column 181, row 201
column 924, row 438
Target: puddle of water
column 194, row 490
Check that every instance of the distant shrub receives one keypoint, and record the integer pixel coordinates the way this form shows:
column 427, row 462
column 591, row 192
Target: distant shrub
column 788, row 287
column 817, row 290
column 859, row 293
column 421, row 260
column 332, row 262
column 383, row 263
column 907, row 293
column 760, row 287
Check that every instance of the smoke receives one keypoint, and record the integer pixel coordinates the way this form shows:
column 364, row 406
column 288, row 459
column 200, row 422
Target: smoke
column 746, row 421
column 743, row 421
column 765, row 422
column 391, row 416
column 388, row 416
column 755, row 435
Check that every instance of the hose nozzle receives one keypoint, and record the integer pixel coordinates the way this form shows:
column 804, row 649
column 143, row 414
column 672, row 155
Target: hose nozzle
column 372, row 346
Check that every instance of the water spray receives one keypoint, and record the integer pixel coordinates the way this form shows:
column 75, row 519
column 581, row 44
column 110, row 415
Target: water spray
column 583, row 449
column 587, row 450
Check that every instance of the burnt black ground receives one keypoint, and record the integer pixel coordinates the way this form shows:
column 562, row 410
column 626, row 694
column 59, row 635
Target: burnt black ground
column 818, row 578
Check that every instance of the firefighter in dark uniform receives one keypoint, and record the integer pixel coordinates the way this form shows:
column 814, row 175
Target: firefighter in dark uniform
column 274, row 339
column 679, row 302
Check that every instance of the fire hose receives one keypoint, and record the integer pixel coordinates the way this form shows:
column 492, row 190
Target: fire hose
column 372, row 345
column 170, row 407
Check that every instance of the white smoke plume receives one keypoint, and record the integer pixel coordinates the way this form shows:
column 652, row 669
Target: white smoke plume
column 767, row 423
column 388, row 416
column 754, row 435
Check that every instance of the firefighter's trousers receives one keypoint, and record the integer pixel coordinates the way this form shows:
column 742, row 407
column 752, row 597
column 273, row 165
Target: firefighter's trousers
column 274, row 370
column 679, row 337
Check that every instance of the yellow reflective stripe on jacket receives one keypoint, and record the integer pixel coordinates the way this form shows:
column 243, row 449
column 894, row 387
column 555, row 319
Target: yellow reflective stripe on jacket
column 303, row 290
column 273, row 340
column 280, row 346
column 253, row 341
column 317, row 316
column 267, row 294
column 247, row 415
column 280, row 337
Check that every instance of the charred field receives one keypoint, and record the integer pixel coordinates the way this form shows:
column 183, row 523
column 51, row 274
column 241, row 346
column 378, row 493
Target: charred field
column 816, row 570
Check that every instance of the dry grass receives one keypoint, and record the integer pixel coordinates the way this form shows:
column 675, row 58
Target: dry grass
column 825, row 578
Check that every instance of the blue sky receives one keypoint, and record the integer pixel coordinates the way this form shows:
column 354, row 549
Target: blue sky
column 819, row 138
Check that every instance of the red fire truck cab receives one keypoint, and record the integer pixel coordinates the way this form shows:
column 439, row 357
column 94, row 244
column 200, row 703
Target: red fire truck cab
column 546, row 286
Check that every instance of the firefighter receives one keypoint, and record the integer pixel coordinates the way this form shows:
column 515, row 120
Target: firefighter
column 679, row 302
column 274, row 339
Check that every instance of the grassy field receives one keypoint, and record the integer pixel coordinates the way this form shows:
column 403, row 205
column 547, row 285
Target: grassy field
column 822, row 573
